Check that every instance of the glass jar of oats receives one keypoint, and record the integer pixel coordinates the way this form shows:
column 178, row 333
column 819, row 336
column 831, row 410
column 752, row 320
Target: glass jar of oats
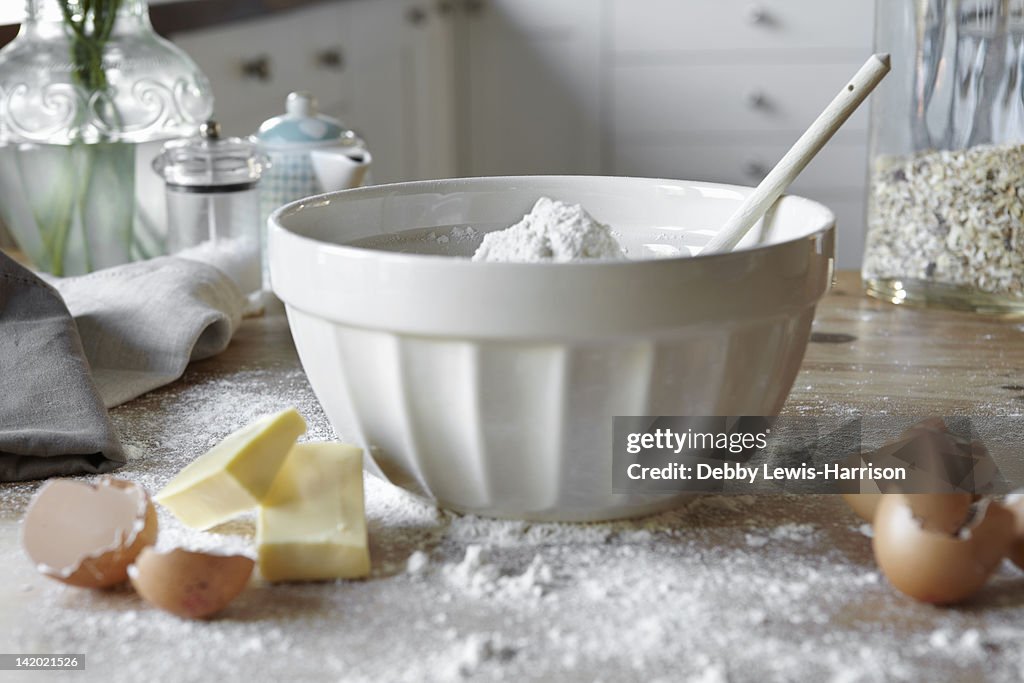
column 946, row 186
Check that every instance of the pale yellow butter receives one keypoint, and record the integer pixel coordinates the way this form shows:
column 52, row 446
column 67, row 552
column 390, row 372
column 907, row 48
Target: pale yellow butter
column 234, row 475
column 312, row 523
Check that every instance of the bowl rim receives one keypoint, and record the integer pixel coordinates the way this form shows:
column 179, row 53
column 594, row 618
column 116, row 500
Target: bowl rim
column 274, row 221
column 455, row 297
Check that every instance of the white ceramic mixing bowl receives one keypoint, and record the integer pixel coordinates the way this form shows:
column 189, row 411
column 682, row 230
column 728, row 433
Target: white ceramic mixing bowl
column 491, row 387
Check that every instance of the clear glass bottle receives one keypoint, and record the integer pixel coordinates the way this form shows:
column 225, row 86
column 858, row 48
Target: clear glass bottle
column 946, row 198
column 85, row 107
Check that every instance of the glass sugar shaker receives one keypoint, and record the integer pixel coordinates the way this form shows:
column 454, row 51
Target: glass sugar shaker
column 946, row 199
column 213, row 207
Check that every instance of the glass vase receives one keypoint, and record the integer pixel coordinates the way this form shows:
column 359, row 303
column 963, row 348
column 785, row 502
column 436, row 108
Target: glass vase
column 80, row 124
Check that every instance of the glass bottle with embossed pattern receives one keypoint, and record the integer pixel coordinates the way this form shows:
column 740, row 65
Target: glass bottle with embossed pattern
column 88, row 95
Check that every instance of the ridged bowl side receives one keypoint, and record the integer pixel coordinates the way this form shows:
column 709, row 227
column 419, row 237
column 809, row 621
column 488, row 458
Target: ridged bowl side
column 523, row 429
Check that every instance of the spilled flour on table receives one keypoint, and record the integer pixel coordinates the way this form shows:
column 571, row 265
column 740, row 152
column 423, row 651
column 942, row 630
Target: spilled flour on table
column 475, row 575
column 733, row 589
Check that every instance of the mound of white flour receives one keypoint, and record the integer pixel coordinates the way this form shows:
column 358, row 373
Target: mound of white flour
column 552, row 231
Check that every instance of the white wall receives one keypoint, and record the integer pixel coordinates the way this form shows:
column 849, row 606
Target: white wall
column 11, row 12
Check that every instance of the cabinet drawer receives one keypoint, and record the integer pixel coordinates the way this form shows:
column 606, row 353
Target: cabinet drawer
column 674, row 98
column 516, row 17
column 840, row 166
column 722, row 25
column 319, row 59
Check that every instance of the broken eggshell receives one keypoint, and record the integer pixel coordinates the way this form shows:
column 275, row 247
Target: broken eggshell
column 931, row 433
column 945, row 513
column 937, row 566
column 87, row 534
column 938, row 511
column 863, row 504
column 190, row 584
column 1015, row 503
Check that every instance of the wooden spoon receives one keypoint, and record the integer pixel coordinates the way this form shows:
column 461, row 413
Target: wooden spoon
column 800, row 154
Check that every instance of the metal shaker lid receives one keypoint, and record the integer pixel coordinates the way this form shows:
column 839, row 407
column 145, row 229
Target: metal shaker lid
column 210, row 163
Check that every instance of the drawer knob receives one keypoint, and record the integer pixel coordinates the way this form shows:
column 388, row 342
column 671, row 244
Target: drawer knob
column 758, row 99
column 257, row 68
column 756, row 169
column 759, row 16
column 416, row 16
column 331, row 58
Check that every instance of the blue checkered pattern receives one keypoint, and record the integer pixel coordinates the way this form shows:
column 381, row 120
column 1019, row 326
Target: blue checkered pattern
column 290, row 177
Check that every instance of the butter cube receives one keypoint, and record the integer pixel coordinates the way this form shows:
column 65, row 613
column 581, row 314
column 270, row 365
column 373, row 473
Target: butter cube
column 312, row 524
column 234, row 475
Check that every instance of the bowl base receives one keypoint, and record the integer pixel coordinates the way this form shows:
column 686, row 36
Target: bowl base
column 578, row 515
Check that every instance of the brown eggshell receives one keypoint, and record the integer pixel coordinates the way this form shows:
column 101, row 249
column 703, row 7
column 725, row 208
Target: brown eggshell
column 945, row 512
column 937, row 567
column 192, row 585
column 1016, row 506
column 87, row 534
column 863, row 504
column 941, row 512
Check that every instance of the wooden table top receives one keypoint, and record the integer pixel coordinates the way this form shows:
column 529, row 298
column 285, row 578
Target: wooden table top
column 760, row 588
column 915, row 360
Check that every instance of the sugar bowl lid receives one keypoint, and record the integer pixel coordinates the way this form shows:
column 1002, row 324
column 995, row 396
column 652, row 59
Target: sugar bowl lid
column 303, row 126
column 210, row 163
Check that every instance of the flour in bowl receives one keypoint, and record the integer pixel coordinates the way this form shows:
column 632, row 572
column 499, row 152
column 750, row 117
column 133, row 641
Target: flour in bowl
column 552, row 231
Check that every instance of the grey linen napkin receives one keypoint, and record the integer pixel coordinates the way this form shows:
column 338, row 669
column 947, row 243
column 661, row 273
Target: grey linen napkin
column 73, row 346
column 52, row 420
column 142, row 323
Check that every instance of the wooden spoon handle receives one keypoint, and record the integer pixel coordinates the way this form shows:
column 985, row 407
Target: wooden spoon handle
column 800, row 154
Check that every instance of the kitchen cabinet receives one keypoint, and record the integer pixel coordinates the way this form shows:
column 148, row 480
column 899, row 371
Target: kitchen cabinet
column 381, row 67
column 765, row 29
column 253, row 65
column 530, row 97
column 751, row 101
column 403, row 82
column 720, row 90
column 697, row 89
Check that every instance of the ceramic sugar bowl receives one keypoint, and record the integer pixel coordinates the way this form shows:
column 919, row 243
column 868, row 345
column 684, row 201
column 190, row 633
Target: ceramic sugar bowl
column 310, row 153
